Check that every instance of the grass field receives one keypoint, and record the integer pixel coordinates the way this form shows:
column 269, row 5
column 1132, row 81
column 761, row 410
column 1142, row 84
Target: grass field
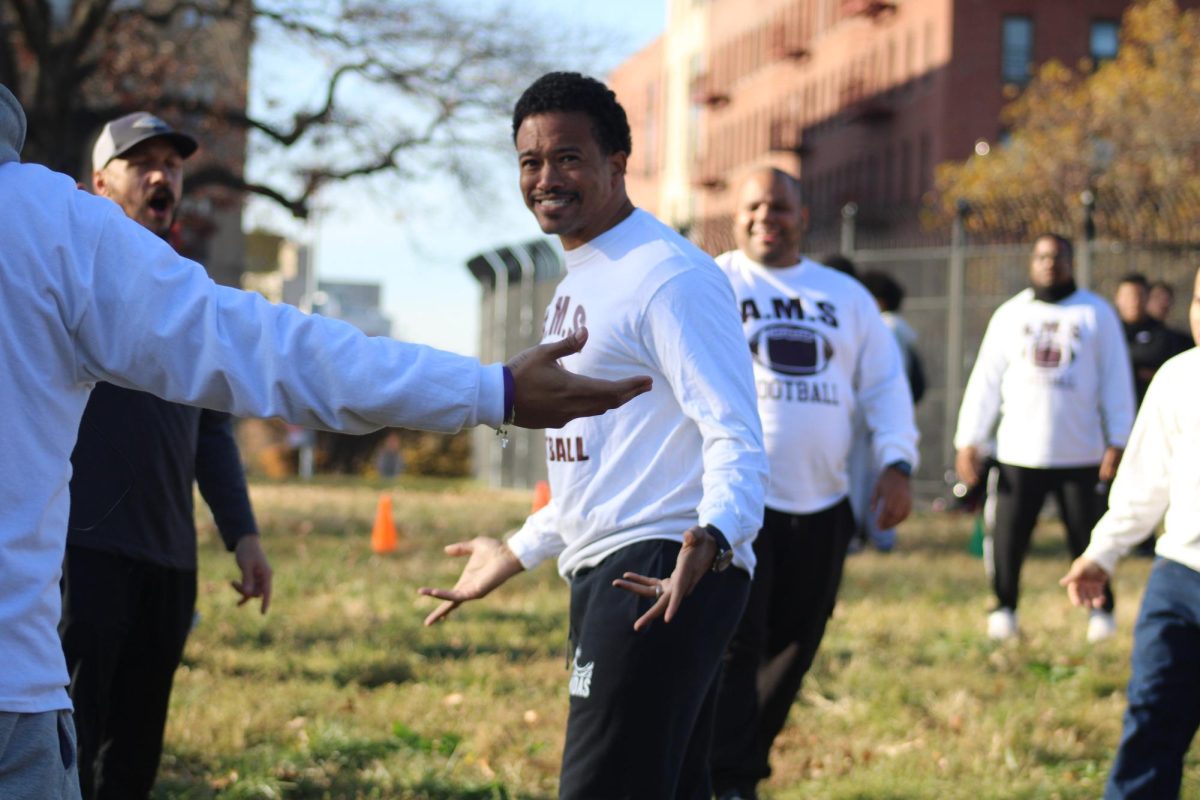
column 340, row 693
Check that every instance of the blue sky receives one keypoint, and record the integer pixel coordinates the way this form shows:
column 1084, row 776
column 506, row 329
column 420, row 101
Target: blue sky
column 418, row 248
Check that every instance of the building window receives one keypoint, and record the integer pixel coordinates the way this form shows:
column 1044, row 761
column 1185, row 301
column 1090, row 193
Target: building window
column 1104, row 40
column 1016, row 50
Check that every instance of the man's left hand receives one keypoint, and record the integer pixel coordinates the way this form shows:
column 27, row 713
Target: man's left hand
column 695, row 559
column 256, row 571
column 1109, row 464
column 892, row 499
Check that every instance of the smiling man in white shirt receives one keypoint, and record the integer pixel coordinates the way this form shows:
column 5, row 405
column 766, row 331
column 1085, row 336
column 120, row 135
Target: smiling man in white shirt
column 821, row 351
column 1159, row 476
column 663, row 499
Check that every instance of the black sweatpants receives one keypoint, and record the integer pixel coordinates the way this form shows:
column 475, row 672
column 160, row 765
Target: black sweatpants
column 640, row 722
column 800, row 560
column 123, row 628
column 1020, row 493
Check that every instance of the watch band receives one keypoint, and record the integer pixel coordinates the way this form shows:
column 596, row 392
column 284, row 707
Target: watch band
column 724, row 554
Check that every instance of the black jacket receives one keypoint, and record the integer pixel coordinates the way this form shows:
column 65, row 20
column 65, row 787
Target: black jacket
column 134, row 464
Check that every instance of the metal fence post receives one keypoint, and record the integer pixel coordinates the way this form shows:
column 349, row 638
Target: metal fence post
column 954, row 328
column 849, row 218
column 1083, row 264
column 498, row 347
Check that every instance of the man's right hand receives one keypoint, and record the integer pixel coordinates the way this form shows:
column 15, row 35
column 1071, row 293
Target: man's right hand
column 967, row 464
column 491, row 563
column 1085, row 583
column 548, row 396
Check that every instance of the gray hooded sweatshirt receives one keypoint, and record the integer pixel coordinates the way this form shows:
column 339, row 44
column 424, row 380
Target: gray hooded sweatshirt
column 12, row 126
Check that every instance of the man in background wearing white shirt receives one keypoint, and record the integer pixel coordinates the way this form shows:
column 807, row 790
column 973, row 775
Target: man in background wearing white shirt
column 1160, row 474
column 1052, row 381
column 662, row 499
column 821, row 350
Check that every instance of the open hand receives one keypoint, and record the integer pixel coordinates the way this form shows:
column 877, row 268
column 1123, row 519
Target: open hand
column 1085, row 583
column 491, row 563
column 548, row 396
column 694, row 561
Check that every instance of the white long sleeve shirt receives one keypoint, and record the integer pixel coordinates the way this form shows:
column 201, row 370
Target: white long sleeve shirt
column 1056, row 376
column 89, row 295
column 1159, row 473
column 689, row 451
column 821, row 350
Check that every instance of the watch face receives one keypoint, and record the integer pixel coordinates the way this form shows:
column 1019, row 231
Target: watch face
column 722, row 561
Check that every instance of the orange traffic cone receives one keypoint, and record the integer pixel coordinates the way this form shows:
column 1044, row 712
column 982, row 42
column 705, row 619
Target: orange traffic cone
column 541, row 495
column 383, row 535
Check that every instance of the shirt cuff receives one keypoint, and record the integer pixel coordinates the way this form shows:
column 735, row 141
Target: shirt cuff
column 1105, row 555
column 526, row 551
column 727, row 524
column 489, row 409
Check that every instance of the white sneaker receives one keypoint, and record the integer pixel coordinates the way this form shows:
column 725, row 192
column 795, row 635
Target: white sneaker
column 1002, row 624
column 1101, row 626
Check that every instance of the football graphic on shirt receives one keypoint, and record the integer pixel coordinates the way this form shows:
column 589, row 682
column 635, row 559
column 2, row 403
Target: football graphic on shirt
column 791, row 349
column 1051, row 346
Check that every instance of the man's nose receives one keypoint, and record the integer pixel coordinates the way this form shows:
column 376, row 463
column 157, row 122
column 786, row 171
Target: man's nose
column 549, row 176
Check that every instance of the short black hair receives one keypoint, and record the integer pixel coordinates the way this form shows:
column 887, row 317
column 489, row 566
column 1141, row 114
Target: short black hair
column 884, row 288
column 569, row 92
column 1064, row 244
column 839, row 262
column 1136, row 278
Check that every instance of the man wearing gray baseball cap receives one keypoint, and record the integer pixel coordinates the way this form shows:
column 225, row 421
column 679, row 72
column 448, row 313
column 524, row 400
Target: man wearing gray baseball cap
column 129, row 577
column 138, row 162
column 91, row 296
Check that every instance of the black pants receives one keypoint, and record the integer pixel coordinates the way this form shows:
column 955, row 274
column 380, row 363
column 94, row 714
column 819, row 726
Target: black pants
column 123, row 628
column 640, row 723
column 1020, row 493
column 800, row 560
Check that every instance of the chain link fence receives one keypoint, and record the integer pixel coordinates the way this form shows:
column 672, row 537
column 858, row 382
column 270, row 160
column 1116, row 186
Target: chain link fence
column 956, row 275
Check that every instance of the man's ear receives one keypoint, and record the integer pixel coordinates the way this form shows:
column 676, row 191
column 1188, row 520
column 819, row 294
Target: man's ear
column 804, row 219
column 617, row 163
column 99, row 182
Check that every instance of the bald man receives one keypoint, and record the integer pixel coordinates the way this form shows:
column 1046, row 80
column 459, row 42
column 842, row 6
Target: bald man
column 820, row 349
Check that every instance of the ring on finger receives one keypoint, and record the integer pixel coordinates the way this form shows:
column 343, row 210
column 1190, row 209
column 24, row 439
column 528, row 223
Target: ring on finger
column 657, row 590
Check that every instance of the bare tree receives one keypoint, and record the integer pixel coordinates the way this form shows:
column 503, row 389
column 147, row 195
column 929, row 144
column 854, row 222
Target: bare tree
column 357, row 87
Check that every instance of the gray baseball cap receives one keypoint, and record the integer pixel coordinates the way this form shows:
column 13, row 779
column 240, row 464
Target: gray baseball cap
column 121, row 135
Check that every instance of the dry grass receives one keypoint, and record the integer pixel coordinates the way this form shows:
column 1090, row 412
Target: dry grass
column 340, row 693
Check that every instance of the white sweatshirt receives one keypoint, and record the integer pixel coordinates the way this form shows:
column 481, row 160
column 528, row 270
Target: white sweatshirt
column 1057, row 377
column 1159, row 473
column 689, row 451
column 90, row 295
column 821, row 350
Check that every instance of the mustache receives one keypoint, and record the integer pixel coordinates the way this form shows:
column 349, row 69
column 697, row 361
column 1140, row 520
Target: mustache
column 555, row 195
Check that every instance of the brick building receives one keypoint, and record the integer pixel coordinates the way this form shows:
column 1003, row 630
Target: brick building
column 861, row 98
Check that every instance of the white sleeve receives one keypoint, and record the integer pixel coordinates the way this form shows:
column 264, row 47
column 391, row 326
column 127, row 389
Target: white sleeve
column 980, row 409
column 538, row 539
column 1140, row 493
column 883, row 392
column 1117, row 404
column 148, row 319
column 692, row 331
